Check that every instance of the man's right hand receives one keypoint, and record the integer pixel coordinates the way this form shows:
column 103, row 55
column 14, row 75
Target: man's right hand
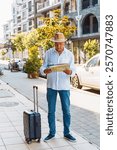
column 48, row 70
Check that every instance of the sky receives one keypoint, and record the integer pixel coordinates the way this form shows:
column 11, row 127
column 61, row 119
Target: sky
column 5, row 14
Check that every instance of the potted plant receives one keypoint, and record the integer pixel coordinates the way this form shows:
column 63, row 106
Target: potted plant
column 33, row 63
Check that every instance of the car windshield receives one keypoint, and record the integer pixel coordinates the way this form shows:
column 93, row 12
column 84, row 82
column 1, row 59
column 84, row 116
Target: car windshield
column 94, row 62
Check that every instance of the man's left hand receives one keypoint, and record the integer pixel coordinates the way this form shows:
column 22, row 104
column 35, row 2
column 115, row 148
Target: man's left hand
column 68, row 71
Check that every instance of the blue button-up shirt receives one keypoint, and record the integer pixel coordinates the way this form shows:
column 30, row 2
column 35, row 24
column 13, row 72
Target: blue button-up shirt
column 58, row 80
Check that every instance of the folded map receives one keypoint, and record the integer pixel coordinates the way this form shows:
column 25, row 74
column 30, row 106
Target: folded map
column 59, row 67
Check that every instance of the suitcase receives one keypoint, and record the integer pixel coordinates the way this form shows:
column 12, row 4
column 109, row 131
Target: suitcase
column 32, row 121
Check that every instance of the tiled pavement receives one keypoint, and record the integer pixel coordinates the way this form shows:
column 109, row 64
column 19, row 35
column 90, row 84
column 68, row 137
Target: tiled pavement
column 84, row 121
column 12, row 105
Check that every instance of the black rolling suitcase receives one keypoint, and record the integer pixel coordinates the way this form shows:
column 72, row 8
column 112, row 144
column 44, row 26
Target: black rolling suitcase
column 32, row 121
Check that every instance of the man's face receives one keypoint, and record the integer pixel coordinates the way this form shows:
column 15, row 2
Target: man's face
column 59, row 46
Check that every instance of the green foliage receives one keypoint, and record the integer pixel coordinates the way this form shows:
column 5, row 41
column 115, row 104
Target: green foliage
column 31, row 39
column 3, row 52
column 33, row 63
column 53, row 25
column 13, row 46
column 91, row 47
column 18, row 42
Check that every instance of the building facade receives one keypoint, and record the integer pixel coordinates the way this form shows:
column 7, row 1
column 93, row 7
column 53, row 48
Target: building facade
column 84, row 14
column 88, row 26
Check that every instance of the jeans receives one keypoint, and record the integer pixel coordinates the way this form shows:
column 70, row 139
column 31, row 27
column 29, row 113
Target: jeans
column 65, row 103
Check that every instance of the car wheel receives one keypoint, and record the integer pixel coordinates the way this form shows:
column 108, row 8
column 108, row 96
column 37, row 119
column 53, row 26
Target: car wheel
column 75, row 82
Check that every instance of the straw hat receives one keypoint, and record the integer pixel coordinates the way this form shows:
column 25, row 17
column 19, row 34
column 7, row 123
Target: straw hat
column 59, row 37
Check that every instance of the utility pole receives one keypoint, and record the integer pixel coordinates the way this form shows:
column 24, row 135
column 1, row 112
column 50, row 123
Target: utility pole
column 35, row 12
column 63, row 8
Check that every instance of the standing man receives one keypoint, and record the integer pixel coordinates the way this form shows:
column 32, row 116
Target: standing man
column 58, row 82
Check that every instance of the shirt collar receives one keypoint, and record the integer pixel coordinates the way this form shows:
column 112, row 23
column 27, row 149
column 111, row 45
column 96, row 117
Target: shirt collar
column 65, row 50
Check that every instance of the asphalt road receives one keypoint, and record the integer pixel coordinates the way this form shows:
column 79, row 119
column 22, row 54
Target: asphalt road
column 85, row 110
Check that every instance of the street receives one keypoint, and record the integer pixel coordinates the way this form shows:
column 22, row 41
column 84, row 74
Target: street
column 85, row 105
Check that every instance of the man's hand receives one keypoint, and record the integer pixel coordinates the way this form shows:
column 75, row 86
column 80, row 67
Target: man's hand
column 48, row 70
column 68, row 71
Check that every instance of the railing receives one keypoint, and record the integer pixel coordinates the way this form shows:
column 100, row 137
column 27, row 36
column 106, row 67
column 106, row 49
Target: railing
column 55, row 1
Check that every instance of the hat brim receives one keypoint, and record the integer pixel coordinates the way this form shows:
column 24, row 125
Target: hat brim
column 62, row 40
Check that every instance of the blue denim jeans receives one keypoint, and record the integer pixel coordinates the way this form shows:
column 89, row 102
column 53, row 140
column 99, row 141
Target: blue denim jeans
column 65, row 103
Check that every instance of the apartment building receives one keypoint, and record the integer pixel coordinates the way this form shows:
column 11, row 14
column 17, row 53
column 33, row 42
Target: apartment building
column 22, row 12
column 84, row 14
column 7, row 29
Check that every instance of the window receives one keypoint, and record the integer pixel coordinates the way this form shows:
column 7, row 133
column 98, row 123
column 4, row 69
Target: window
column 7, row 28
column 85, row 4
column 24, row 27
column 24, row 15
column 13, row 10
column 18, row 19
column 29, row 6
column 94, row 2
column 19, row 29
column 94, row 62
column 90, row 24
column 24, row 5
column 67, row 8
column 29, row 28
column 95, row 25
column 88, row 3
column 30, row 22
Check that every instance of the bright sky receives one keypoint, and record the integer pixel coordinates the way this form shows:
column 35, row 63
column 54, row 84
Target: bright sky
column 5, row 14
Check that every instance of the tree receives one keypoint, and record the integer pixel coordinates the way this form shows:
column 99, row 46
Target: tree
column 53, row 25
column 91, row 47
column 31, row 39
column 33, row 63
column 18, row 41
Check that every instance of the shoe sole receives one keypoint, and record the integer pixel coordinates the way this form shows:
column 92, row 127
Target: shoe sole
column 74, row 141
column 49, row 139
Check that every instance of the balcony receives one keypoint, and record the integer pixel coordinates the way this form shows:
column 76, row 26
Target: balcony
column 46, row 3
column 40, row 6
column 56, row 1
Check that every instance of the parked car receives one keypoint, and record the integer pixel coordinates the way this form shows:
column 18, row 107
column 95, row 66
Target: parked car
column 88, row 74
column 21, row 64
column 16, row 64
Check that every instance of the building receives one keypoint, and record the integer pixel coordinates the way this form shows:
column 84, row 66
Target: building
column 7, row 28
column 88, row 26
column 84, row 14
column 23, row 12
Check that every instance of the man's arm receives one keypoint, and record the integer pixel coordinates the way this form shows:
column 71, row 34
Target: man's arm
column 44, row 68
column 48, row 70
column 68, row 71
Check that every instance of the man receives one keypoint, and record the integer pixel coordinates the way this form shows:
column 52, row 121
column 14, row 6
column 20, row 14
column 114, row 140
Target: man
column 58, row 82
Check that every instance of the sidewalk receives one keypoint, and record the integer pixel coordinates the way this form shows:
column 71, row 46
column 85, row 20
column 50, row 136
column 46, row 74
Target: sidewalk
column 12, row 105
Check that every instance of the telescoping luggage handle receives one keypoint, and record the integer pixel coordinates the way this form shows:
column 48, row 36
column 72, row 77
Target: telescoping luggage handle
column 35, row 95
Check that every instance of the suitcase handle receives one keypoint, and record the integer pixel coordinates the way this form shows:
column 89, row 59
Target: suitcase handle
column 35, row 95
